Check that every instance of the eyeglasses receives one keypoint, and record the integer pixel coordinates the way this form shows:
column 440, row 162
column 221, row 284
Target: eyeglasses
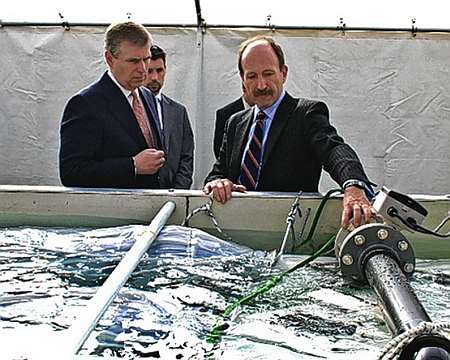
column 156, row 51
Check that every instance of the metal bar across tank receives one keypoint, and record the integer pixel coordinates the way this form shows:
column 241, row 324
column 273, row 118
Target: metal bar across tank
column 84, row 325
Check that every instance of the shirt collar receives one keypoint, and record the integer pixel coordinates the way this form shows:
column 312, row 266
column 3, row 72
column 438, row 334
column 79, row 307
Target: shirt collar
column 126, row 92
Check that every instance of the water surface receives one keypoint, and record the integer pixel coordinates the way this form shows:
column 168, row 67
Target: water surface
column 175, row 296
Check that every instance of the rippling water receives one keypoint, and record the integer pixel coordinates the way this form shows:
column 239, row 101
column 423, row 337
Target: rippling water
column 171, row 302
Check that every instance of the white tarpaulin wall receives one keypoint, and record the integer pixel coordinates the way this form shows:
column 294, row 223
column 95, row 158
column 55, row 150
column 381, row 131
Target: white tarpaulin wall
column 388, row 93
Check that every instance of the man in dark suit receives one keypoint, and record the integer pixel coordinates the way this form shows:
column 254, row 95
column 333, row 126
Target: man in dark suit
column 282, row 143
column 224, row 113
column 173, row 123
column 109, row 134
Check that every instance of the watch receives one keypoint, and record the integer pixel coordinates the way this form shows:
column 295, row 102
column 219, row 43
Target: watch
column 353, row 182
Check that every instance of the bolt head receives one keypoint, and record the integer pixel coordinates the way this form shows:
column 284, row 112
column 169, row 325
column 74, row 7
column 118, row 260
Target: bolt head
column 347, row 259
column 402, row 245
column 409, row 268
column 359, row 240
column 382, row 234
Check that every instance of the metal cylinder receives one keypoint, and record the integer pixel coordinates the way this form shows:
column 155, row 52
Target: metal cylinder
column 401, row 308
column 400, row 305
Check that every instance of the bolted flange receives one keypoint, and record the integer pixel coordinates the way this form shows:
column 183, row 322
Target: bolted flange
column 354, row 248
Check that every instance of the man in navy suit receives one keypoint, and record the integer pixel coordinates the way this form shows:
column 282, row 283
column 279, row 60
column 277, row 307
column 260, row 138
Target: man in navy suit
column 174, row 125
column 109, row 135
column 224, row 113
column 282, row 143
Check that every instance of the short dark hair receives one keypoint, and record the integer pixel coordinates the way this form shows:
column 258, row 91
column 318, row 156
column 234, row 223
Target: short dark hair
column 275, row 46
column 129, row 31
column 157, row 52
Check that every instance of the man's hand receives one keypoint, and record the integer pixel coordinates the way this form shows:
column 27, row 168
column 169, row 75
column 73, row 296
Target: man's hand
column 355, row 206
column 149, row 161
column 221, row 189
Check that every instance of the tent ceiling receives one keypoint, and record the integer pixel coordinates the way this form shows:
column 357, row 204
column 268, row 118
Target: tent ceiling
column 324, row 13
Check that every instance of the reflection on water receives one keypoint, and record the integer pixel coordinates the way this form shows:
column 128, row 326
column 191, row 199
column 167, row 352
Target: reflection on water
column 174, row 297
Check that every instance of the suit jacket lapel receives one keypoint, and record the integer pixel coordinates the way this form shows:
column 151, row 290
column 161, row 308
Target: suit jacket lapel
column 150, row 105
column 169, row 116
column 279, row 122
column 121, row 110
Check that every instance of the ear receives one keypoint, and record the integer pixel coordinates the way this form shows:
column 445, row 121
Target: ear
column 284, row 71
column 108, row 58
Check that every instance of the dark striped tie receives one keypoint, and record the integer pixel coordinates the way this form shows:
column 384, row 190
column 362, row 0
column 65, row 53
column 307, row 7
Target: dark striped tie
column 252, row 160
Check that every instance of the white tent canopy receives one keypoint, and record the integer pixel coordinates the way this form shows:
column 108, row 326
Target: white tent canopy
column 388, row 91
column 355, row 13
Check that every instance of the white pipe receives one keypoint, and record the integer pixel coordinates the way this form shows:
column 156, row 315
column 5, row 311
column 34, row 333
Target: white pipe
column 92, row 313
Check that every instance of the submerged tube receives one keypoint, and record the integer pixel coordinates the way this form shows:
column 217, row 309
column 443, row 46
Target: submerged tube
column 106, row 293
column 402, row 309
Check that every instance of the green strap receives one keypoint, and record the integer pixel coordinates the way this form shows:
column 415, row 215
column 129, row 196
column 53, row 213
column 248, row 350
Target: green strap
column 220, row 325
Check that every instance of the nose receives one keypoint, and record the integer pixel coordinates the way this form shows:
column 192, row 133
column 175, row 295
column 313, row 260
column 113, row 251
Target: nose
column 152, row 75
column 142, row 66
column 261, row 83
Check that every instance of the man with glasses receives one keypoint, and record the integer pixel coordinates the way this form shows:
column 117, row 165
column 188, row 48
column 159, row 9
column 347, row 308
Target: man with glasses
column 109, row 131
column 173, row 124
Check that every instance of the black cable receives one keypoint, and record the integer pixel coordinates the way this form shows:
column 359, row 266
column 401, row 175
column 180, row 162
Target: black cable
column 423, row 230
column 317, row 217
column 412, row 224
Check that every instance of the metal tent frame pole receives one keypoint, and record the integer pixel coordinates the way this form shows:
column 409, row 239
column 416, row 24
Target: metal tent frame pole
column 201, row 23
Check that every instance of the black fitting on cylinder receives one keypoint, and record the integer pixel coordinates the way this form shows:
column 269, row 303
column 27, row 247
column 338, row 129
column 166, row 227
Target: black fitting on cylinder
column 427, row 347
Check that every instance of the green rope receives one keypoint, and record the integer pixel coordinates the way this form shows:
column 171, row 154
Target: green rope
column 219, row 327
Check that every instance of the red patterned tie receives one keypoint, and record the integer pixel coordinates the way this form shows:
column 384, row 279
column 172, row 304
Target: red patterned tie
column 252, row 160
column 142, row 119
